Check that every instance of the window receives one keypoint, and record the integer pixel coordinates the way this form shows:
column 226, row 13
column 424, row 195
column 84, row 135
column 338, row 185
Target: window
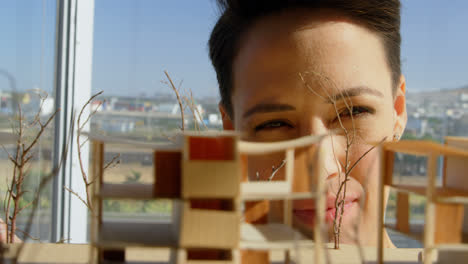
column 27, row 64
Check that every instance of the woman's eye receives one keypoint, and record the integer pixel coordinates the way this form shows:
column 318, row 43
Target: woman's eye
column 355, row 112
column 274, row 124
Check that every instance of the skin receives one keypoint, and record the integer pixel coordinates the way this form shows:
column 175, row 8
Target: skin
column 289, row 70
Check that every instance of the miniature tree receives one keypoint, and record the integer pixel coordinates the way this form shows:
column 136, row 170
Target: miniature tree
column 345, row 169
column 82, row 121
column 28, row 133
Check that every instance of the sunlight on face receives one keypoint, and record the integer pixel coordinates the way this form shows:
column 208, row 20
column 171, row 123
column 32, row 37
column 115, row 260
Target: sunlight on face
column 290, row 76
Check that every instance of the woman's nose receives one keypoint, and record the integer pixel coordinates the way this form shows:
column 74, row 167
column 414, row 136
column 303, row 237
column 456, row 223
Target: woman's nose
column 331, row 145
column 305, row 169
column 331, row 157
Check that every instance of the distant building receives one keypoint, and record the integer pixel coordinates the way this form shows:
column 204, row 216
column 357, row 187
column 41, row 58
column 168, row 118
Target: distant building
column 169, row 108
column 214, row 119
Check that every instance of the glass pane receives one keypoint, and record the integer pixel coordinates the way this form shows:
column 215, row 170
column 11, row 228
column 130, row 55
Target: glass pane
column 26, row 71
column 135, row 42
column 434, row 60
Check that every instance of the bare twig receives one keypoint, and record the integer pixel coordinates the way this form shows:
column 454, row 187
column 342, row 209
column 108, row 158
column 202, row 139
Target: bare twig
column 179, row 100
column 28, row 235
column 80, row 126
column 365, row 153
column 42, row 185
column 24, row 207
column 276, row 169
column 197, row 117
column 80, row 145
column 190, row 106
column 62, row 240
column 21, row 160
column 39, row 134
column 346, row 168
column 79, row 197
column 113, row 162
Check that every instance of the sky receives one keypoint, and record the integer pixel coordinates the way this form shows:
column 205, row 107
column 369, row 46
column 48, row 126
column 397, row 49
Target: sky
column 136, row 40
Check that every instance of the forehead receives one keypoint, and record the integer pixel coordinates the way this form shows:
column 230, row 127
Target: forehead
column 326, row 48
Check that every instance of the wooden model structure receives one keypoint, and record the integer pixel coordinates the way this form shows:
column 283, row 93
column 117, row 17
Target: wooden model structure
column 221, row 216
column 444, row 205
column 202, row 176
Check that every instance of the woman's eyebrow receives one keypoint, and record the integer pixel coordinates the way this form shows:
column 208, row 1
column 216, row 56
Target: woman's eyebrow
column 354, row 91
column 268, row 108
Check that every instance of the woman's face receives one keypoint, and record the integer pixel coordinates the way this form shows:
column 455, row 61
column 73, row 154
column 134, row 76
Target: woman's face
column 294, row 72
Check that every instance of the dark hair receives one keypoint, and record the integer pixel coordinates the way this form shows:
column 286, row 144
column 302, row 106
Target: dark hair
column 238, row 16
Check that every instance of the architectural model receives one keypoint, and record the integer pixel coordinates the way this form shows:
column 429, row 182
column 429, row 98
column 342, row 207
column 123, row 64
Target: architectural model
column 202, row 175
column 443, row 227
column 220, row 215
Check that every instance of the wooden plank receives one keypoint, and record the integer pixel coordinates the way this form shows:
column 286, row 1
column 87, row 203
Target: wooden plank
column 112, row 255
column 140, row 191
column 254, row 257
column 287, row 203
column 287, row 212
column 429, row 227
column 167, row 174
column 176, row 216
column 449, row 220
column 244, row 163
column 423, row 148
column 402, row 213
column 389, row 164
column 97, row 166
column 456, row 175
column 212, row 148
column 141, row 144
column 441, row 194
column 124, row 233
column 456, row 168
column 97, row 171
column 229, row 205
column 452, row 253
column 209, row 229
column 255, row 195
column 40, row 253
column 209, row 261
column 266, row 190
column 450, row 256
column 177, row 256
column 461, row 140
column 289, row 167
column 452, row 247
column 210, row 179
column 209, row 255
column 254, row 212
column 381, row 203
column 320, row 175
column 272, row 236
column 260, row 148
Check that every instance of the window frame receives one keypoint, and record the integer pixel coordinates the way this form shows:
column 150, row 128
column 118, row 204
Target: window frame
column 72, row 87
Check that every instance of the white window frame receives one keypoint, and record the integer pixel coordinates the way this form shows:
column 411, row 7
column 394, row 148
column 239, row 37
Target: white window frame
column 72, row 81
